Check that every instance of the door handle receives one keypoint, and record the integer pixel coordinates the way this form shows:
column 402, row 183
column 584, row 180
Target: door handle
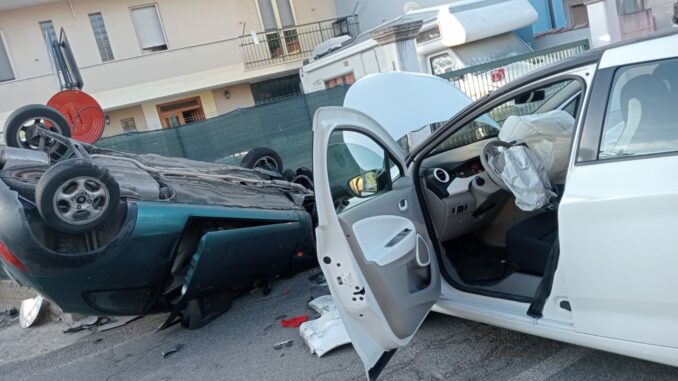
column 399, row 237
column 402, row 205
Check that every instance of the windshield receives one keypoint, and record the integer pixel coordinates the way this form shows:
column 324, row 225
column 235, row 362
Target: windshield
column 557, row 96
column 490, row 49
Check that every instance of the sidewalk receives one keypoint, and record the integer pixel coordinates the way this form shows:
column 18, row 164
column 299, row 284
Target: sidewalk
column 12, row 294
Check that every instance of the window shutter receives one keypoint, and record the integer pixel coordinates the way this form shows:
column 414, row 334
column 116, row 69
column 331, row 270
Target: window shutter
column 6, row 73
column 267, row 14
column 101, row 36
column 285, row 12
column 147, row 24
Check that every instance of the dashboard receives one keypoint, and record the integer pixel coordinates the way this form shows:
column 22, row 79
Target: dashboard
column 468, row 169
column 461, row 197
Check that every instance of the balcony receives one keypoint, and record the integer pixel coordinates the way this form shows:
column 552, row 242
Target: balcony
column 292, row 44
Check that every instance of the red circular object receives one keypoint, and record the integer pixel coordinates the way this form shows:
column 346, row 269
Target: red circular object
column 83, row 112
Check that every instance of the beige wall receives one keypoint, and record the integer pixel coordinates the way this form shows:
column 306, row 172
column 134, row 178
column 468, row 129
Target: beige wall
column 240, row 97
column 203, row 52
column 662, row 10
column 115, row 128
column 186, row 23
column 308, row 11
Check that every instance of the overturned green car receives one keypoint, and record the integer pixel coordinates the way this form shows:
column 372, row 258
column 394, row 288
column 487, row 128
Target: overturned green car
column 100, row 232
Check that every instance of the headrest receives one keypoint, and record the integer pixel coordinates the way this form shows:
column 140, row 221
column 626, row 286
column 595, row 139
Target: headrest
column 650, row 91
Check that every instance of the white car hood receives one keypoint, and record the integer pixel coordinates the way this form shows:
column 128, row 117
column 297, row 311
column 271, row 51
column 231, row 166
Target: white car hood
column 402, row 102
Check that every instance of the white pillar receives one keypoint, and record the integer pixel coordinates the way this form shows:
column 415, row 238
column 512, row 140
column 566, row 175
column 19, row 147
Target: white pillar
column 398, row 45
column 604, row 25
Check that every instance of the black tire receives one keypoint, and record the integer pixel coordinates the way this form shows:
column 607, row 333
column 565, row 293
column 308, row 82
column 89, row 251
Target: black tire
column 22, row 115
column 93, row 211
column 24, row 180
column 304, row 177
column 289, row 175
column 262, row 157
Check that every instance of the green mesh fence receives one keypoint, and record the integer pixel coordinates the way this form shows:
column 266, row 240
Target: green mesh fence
column 285, row 126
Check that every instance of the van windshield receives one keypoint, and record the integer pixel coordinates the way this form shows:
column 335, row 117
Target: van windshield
column 490, row 49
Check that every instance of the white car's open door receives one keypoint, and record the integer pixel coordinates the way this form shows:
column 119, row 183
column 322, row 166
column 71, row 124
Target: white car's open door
column 373, row 245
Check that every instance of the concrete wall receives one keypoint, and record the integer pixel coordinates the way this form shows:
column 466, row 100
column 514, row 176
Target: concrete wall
column 114, row 127
column 186, row 23
column 240, row 97
column 203, row 54
column 308, row 11
column 662, row 11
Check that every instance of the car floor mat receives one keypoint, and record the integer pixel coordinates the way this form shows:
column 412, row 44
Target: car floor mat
column 477, row 262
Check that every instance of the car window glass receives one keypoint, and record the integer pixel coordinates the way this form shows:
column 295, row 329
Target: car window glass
column 353, row 155
column 552, row 97
column 641, row 116
column 444, row 63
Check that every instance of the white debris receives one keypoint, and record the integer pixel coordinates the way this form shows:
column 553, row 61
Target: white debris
column 31, row 311
column 327, row 332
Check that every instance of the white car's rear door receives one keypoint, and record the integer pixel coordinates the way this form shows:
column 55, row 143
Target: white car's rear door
column 619, row 213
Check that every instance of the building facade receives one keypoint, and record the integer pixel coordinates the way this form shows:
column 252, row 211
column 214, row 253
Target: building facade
column 165, row 63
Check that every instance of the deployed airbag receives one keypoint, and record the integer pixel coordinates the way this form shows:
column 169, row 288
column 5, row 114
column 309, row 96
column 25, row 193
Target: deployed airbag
column 525, row 175
column 549, row 136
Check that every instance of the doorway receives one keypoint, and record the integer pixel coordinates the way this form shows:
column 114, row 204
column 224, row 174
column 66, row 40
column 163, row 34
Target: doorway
column 181, row 112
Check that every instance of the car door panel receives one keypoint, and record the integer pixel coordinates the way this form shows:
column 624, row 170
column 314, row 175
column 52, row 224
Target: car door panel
column 394, row 283
column 369, row 252
column 618, row 241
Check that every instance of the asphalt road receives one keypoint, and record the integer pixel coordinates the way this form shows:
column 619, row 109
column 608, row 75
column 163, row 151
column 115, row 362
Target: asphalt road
column 239, row 346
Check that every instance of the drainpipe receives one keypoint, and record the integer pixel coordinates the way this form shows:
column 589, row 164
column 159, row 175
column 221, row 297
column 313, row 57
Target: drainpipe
column 552, row 14
column 72, row 11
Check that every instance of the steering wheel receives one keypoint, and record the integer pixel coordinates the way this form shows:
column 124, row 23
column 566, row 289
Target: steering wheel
column 488, row 157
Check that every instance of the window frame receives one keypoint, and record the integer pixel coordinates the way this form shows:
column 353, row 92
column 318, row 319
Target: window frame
column 162, row 27
column 389, row 159
column 3, row 41
column 96, row 40
column 639, row 6
column 590, row 139
column 448, row 52
column 425, row 150
column 134, row 123
column 50, row 49
column 276, row 14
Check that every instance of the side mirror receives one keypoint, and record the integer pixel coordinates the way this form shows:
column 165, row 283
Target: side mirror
column 364, row 185
column 532, row 96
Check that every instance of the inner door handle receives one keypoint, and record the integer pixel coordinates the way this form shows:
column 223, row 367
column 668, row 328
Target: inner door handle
column 402, row 205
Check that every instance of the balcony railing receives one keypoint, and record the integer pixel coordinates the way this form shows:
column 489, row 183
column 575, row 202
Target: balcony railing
column 293, row 43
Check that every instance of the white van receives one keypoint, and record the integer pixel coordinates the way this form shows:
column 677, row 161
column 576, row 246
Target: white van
column 453, row 37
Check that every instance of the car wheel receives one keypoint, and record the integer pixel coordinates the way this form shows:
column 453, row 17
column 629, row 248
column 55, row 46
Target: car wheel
column 24, row 180
column 262, row 157
column 76, row 196
column 289, row 175
column 40, row 116
column 203, row 310
column 304, row 176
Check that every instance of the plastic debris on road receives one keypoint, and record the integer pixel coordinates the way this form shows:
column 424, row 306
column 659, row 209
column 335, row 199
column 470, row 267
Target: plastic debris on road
column 102, row 323
column 294, row 322
column 283, row 344
column 31, row 311
column 174, row 349
column 327, row 332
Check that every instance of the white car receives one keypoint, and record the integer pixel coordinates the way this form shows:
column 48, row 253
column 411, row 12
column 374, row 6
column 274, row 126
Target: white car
column 549, row 207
